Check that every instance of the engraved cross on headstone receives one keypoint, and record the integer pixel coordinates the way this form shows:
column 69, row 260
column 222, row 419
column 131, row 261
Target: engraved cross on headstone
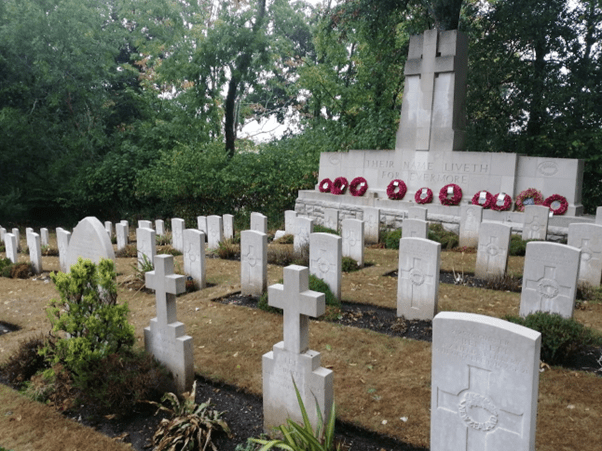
column 322, row 264
column 491, row 250
column 166, row 285
column 416, row 275
column 298, row 304
column 547, row 287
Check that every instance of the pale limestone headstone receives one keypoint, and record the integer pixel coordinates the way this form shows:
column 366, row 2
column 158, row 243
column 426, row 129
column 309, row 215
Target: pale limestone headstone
column 418, row 278
column 471, row 217
column 228, row 221
column 588, row 238
column 303, row 228
column 492, row 252
column 371, row 225
column 165, row 338
column 126, row 224
column 259, row 222
column 35, row 253
column 535, row 226
column 253, row 263
column 484, row 384
column 144, row 224
column 177, row 234
column 352, row 233
column 10, row 245
column 325, row 260
column 550, row 278
column 331, row 218
column 417, row 213
column 215, row 231
column 17, row 235
column 599, row 215
column 89, row 240
column 146, row 245
column 202, row 224
column 160, row 227
column 292, row 359
column 290, row 217
column 62, row 241
column 44, row 237
column 414, row 228
column 121, row 234
column 109, row 228
column 194, row 256
column 2, row 233
column 28, row 232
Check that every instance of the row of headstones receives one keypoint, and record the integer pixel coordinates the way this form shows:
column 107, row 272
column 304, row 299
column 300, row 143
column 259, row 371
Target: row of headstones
column 35, row 242
column 478, row 363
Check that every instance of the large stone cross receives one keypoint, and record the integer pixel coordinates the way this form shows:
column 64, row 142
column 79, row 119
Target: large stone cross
column 166, row 285
column 298, row 304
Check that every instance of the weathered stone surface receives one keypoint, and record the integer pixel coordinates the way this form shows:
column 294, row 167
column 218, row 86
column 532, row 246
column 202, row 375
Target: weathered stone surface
column 228, row 221
column 165, row 338
column 194, row 256
column 253, row 262
column 35, row 253
column 492, row 253
column 325, row 255
column 417, row 213
column 371, row 218
column 177, row 234
column 599, row 215
column 418, row 278
column 259, row 222
column 470, row 222
column 160, row 227
column 414, row 228
column 215, row 231
column 17, row 234
column 109, row 228
column 28, row 232
column 331, row 218
column 550, row 278
column 588, row 238
column 10, row 244
column 291, row 359
column 535, row 226
column 122, row 237
column 44, row 237
column 303, row 228
column 146, row 245
column 352, row 233
column 290, row 218
column 143, row 224
column 89, row 241
column 202, row 224
column 484, row 384
column 62, row 241
column 127, row 229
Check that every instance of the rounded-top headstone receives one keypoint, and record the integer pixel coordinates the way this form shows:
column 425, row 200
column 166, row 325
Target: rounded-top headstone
column 89, row 240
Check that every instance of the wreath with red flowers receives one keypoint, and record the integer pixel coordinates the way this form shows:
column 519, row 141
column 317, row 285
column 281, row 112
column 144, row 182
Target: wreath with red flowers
column 455, row 199
column 505, row 206
column 397, row 189
column 528, row 197
column 557, row 203
column 488, row 199
column 358, row 186
column 339, row 185
column 325, row 186
column 428, row 196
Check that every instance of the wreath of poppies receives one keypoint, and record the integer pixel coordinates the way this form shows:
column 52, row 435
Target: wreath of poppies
column 528, row 197
column 488, row 199
column 397, row 189
column 358, row 186
column 505, row 206
column 563, row 204
column 455, row 199
column 339, row 185
column 325, row 186
column 423, row 200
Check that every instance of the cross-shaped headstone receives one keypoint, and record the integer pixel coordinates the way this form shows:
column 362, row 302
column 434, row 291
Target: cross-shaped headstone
column 166, row 285
column 298, row 304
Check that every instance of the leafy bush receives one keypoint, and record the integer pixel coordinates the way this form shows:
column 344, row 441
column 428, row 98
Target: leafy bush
column 15, row 270
column 561, row 338
column 391, row 239
column 349, row 265
column 518, row 246
column 447, row 239
column 163, row 240
column 321, row 229
column 315, row 284
column 26, row 361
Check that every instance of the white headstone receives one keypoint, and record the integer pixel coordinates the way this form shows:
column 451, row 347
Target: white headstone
column 215, row 231
column 17, row 235
column 228, row 221
column 165, row 338
column 352, row 233
column 535, row 226
column 35, row 253
column 484, row 384
column 44, row 237
column 417, row 213
column 177, row 234
column 588, row 238
column 121, row 233
column 202, row 224
column 89, row 241
column 414, row 228
column 471, row 217
column 550, row 278
column 194, row 256
column 418, row 278
column 146, row 245
column 325, row 259
column 62, row 241
column 28, row 232
column 292, row 359
column 371, row 225
column 304, row 227
column 126, row 224
column 290, row 217
column 331, row 219
column 10, row 244
column 160, row 227
column 2, row 232
column 492, row 253
column 259, row 222
column 599, row 215
column 253, row 263
column 109, row 228
column 143, row 224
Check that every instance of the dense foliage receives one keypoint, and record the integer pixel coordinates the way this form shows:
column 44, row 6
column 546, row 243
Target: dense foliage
column 120, row 109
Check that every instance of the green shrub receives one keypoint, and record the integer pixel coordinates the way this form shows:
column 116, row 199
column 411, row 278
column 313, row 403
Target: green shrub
column 281, row 256
column 391, row 239
column 586, row 292
column 448, row 239
column 16, row 270
column 518, row 246
column 561, row 338
column 321, row 229
column 227, row 250
column 349, row 265
column 163, row 240
column 315, row 284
